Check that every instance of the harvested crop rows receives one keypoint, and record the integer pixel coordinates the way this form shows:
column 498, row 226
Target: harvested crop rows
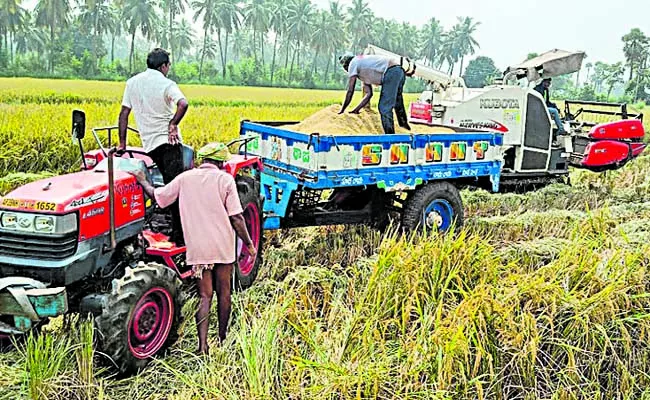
column 542, row 296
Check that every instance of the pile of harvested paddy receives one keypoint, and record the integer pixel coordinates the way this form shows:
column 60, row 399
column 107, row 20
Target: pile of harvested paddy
column 328, row 121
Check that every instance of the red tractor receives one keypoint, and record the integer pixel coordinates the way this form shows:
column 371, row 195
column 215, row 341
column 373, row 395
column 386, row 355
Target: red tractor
column 93, row 242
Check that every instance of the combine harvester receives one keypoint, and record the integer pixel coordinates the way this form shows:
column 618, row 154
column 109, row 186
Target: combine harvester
column 91, row 242
column 600, row 136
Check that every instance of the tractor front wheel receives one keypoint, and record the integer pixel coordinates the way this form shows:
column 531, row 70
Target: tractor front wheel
column 141, row 316
column 435, row 206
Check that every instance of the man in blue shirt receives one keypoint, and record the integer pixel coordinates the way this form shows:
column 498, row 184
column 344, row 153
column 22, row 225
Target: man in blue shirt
column 542, row 88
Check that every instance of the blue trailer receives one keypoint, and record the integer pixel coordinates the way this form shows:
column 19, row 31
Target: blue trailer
column 320, row 179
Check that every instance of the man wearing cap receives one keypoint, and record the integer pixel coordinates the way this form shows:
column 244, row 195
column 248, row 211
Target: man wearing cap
column 542, row 88
column 380, row 71
column 211, row 214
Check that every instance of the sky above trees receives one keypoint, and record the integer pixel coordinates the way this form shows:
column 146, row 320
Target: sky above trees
column 510, row 30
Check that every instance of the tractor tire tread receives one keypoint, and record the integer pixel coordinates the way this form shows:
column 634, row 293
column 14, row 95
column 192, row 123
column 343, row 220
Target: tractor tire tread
column 126, row 291
column 423, row 196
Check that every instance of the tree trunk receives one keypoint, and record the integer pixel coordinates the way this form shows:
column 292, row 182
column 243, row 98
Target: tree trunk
column 225, row 56
column 327, row 70
column 275, row 48
column 462, row 61
column 131, row 56
column 578, row 79
column 52, row 48
column 609, row 91
column 293, row 58
column 631, row 70
column 205, row 43
column 223, row 63
column 286, row 56
column 169, row 41
column 112, row 49
column 11, row 47
column 313, row 65
column 254, row 48
column 298, row 57
column 262, row 46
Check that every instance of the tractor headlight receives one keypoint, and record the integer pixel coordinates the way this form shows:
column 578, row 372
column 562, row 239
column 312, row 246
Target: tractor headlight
column 44, row 224
column 9, row 220
column 37, row 223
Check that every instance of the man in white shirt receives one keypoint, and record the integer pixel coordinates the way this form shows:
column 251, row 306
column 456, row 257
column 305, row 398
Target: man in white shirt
column 159, row 106
column 380, row 71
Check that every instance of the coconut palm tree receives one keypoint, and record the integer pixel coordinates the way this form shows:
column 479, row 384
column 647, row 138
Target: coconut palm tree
column 94, row 16
column 139, row 14
column 465, row 41
column 173, row 8
column 360, row 18
column 299, row 19
column 29, row 37
column 278, row 24
column 114, row 26
column 589, row 66
column 183, row 38
column 257, row 17
column 450, row 51
column 323, row 33
column 230, row 15
column 338, row 41
column 52, row 14
column 407, row 39
column 209, row 11
column 13, row 17
column 432, row 36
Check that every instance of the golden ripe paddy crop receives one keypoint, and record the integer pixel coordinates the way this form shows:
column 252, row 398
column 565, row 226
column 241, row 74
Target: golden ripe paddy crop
column 541, row 296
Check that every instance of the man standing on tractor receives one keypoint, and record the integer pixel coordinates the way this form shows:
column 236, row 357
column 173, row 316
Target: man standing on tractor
column 553, row 109
column 159, row 106
column 381, row 71
column 211, row 213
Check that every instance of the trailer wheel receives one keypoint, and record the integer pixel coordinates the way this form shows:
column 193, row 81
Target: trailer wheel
column 434, row 206
column 141, row 317
column 252, row 203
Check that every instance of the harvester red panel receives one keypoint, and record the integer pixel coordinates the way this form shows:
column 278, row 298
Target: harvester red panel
column 605, row 152
column 624, row 129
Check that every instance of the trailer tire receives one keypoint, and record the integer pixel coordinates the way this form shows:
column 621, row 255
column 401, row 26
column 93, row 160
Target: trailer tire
column 252, row 202
column 147, row 297
column 433, row 206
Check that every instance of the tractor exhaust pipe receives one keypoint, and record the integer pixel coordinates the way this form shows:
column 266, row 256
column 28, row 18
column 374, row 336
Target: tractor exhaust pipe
column 111, row 199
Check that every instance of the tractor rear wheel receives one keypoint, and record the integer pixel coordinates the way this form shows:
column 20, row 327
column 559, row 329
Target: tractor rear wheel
column 435, row 206
column 141, row 316
column 252, row 202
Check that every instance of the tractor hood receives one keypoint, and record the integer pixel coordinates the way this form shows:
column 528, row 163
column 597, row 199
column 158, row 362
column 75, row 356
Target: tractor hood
column 65, row 193
column 548, row 65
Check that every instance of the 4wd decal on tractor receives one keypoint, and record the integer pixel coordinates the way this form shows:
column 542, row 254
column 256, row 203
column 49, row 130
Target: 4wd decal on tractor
column 84, row 201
